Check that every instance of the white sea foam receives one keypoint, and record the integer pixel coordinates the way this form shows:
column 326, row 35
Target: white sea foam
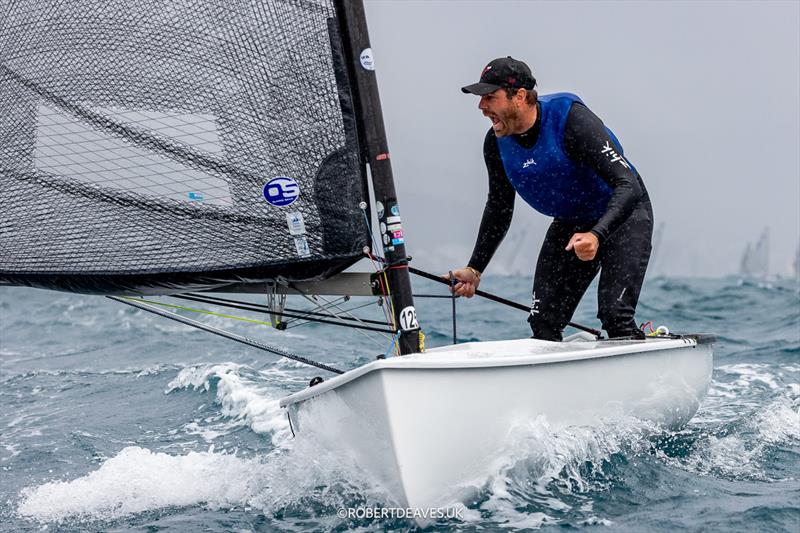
column 207, row 434
column 779, row 421
column 300, row 481
column 750, row 374
column 536, row 455
column 137, row 480
column 12, row 450
column 242, row 398
column 739, row 455
column 596, row 521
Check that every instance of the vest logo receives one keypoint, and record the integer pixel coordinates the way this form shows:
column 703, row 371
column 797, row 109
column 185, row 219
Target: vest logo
column 609, row 151
column 528, row 163
column 534, row 304
column 281, row 191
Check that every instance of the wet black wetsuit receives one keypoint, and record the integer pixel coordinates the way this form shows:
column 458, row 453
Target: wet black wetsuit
column 624, row 232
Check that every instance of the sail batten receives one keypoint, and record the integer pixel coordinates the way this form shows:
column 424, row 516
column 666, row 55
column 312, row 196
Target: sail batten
column 153, row 148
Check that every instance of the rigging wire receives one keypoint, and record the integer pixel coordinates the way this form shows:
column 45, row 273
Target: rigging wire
column 265, row 308
column 390, row 305
column 383, row 279
column 349, row 311
column 307, row 320
column 329, row 303
column 245, row 308
column 145, row 305
column 383, row 282
column 326, row 307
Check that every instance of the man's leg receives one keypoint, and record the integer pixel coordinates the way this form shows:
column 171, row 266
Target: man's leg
column 623, row 260
column 560, row 281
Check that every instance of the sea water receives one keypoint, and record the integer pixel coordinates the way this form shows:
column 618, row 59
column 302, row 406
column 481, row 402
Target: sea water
column 112, row 419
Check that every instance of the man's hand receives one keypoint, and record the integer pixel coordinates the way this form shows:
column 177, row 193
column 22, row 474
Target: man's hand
column 585, row 245
column 467, row 279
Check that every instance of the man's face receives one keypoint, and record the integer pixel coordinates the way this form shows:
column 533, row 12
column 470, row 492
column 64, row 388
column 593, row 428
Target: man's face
column 502, row 111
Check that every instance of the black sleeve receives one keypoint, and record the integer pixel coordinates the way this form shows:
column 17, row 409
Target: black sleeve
column 499, row 207
column 588, row 143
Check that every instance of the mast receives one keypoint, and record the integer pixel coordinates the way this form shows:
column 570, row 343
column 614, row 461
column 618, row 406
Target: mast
column 375, row 153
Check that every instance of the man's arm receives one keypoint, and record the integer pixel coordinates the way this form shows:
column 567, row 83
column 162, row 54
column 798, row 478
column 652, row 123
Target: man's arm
column 499, row 207
column 587, row 142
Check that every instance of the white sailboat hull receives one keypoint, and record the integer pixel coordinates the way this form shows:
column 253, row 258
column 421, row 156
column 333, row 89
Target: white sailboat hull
column 429, row 425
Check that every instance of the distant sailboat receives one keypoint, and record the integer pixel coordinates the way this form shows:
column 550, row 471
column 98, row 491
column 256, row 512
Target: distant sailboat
column 519, row 251
column 755, row 260
column 518, row 245
column 655, row 254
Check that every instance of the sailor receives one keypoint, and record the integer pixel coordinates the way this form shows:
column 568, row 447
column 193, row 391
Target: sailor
column 565, row 163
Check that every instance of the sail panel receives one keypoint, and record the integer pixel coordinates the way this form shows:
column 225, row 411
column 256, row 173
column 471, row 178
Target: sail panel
column 151, row 147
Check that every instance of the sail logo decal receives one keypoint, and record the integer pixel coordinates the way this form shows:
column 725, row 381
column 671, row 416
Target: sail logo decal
column 366, row 59
column 281, row 191
column 528, row 163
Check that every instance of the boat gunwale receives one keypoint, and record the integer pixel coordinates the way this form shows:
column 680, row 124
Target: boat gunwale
column 418, row 361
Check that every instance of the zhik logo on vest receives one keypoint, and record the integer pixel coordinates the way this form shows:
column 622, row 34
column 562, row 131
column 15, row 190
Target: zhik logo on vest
column 528, row 163
column 609, row 151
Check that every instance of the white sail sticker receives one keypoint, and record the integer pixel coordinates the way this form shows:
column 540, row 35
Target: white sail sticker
column 366, row 59
column 408, row 318
column 295, row 222
column 301, row 245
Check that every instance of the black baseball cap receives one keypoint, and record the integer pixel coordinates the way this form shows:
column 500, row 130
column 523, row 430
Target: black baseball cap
column 503, row 72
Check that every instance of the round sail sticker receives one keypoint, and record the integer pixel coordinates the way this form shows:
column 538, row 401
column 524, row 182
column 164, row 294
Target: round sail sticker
column 408, row 318
column 281, row 191
column 366, row 59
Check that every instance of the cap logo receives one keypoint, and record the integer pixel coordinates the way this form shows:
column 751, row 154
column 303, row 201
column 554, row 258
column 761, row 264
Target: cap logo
column 512, row 80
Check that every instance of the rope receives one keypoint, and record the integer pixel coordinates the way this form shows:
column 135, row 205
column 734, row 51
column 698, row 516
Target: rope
column 453, row 298
column 433, row 277
column 391, row 344
column 382, row 278
column 193, row 310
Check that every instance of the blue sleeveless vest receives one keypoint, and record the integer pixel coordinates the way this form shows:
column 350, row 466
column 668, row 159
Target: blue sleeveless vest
column 546, row 178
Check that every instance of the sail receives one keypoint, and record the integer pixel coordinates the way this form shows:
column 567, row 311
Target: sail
column 796, row 262
column 755, row 260
column 151, row 147
column 746, row 263
column 657, row 251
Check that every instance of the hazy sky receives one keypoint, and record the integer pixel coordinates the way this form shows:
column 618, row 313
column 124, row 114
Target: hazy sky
column 704, row 96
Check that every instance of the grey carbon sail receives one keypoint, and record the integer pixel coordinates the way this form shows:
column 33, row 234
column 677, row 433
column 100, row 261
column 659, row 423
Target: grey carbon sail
column 155, row 147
